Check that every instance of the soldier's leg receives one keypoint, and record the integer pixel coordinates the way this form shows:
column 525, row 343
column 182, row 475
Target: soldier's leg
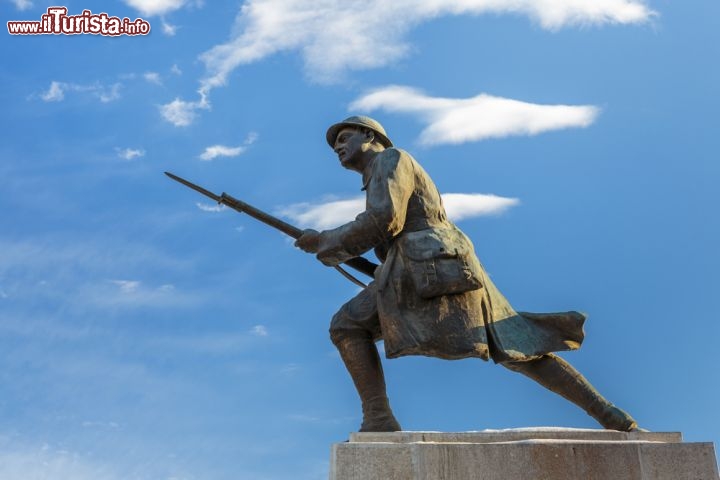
column 557, row 375
column 354, row 330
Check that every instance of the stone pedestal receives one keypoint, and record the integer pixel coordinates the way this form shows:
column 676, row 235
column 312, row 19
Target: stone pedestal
column 527, row 453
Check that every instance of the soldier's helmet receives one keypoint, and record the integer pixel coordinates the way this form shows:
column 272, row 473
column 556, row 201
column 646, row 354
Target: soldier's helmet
column 360, row 121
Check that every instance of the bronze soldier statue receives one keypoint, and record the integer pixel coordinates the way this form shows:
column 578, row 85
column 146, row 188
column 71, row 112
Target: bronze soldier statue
column 430, row 295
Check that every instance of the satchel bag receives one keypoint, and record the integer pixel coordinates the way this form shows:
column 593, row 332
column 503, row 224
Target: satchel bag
column 441, row 262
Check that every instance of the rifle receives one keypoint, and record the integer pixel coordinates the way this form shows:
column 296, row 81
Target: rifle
column 360, row 264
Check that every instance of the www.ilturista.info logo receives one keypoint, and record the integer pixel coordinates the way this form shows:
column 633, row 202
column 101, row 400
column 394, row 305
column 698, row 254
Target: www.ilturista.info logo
column 57, row 22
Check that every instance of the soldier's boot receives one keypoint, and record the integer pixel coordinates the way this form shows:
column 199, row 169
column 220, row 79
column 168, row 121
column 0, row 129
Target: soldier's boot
column 555, row 374
column 363, row 363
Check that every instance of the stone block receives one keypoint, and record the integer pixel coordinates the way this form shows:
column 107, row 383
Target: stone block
column 538, row 453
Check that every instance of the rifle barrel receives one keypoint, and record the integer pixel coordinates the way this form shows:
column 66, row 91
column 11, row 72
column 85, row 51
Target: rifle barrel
column 267, row 219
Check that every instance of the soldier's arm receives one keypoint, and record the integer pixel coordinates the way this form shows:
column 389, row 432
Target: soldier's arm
column 388, row 191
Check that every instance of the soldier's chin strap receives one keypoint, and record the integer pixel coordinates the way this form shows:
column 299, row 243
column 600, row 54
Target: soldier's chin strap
column 347, row 275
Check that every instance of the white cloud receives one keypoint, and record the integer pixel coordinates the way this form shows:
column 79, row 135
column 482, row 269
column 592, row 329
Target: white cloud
column 175, row 69
column 323, row 216
column 259, row 331
column 127, row 286
column 130, row 153
column 107, row 95
column 168, row 29
column 152, row 77
column 335, row 36
column 181, row 113
column 215, row 151
column 330, row 214
column 22, row 4
column 458, row 120
column 56, row 91
column 468, row 205
column 210, row 208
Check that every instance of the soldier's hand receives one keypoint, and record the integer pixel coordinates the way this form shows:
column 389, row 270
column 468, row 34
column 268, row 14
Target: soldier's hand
column 309, row 241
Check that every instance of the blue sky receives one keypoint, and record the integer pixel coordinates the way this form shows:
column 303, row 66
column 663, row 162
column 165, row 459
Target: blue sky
column 145, row 334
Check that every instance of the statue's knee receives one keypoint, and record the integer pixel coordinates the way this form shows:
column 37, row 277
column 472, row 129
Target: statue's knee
column 342, row 335
column 336, row 330
column 345, row 326
column 336, row 336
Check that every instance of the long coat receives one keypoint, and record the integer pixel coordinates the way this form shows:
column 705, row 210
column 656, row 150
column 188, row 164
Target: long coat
column 405, row 222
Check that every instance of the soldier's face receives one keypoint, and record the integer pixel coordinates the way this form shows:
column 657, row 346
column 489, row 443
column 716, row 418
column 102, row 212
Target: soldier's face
column 350, row 145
